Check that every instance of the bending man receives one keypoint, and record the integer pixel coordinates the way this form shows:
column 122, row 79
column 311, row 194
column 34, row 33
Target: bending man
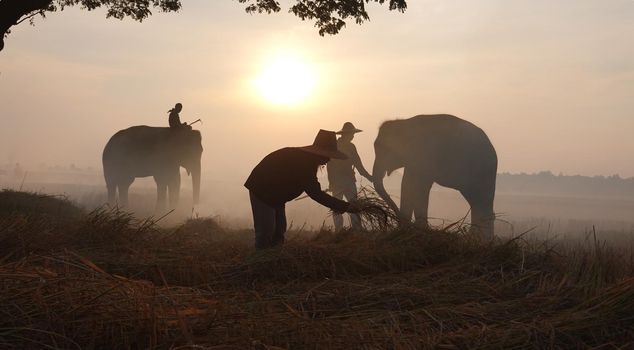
column 282, row 176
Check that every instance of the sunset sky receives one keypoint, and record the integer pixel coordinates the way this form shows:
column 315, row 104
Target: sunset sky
column 551, row 82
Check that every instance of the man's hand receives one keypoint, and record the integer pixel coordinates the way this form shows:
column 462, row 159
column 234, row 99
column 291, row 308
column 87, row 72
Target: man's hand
column 354, row 207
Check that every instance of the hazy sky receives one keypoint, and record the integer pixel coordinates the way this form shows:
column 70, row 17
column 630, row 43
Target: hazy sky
column 551, row 82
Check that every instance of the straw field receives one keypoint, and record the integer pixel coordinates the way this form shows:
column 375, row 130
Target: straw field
column 71, row 279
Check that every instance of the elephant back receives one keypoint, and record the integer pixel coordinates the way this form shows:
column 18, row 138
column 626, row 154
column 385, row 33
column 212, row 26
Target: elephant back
column 147, row 141
column 440, row 140
column 442, row 129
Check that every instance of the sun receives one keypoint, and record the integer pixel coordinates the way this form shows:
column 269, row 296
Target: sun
column 286, row 80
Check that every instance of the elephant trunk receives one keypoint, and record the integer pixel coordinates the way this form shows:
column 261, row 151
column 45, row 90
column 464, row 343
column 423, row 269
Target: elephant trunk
column 196, row 182
column 378, row 173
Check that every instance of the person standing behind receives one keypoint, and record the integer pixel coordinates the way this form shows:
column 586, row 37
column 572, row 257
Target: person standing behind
column 282, row 176
column 174, row 119
column 341, row 174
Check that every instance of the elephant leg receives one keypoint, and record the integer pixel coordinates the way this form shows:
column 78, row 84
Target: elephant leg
column 174, row 188
column 415, row 197
column 124, row 186
column 112, row 193
column 421, row 201
column 161, row 194
column 482, row 215
column 408, row 189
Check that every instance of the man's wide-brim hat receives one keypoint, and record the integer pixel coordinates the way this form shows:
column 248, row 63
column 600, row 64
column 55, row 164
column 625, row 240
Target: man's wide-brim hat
column 348, row 128
column 325, row 145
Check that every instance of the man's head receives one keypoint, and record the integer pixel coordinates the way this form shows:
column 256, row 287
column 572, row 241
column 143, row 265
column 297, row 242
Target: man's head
column 347, row 131
column 178, row 107
column 325, row 146
column 347, row 137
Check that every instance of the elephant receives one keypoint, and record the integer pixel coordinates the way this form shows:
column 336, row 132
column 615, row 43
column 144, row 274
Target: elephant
column 142, row 151
column 441, row 149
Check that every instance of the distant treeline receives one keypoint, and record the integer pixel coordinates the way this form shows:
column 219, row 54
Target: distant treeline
column 547, row 183
column 542, row 183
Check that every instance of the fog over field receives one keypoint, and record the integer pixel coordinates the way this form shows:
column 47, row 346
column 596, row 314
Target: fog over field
column 551, row 83
column 573, row 208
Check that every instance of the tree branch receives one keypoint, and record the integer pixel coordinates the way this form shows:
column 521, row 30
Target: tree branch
column 12, row 10
column 40, row 12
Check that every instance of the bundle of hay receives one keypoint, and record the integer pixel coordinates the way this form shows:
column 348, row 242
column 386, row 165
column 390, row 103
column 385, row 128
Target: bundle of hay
column 375, row 213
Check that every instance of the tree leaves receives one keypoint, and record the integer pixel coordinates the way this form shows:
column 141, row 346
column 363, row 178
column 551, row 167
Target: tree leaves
column 138, row 10
column 329, row 15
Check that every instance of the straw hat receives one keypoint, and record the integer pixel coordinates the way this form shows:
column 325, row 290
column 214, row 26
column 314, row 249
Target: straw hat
column 348, row 128
column 325, row 145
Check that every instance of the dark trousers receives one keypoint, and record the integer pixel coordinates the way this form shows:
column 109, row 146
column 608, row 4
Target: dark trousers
column 269, row 223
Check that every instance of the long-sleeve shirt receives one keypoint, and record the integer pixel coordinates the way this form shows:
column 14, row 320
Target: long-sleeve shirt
column 341, row 171
column 284, row 174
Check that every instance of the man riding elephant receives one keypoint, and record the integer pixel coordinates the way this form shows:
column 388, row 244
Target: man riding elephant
column 174, row 119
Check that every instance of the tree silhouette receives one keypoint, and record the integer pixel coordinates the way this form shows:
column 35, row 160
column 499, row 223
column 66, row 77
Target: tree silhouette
column 329, row 15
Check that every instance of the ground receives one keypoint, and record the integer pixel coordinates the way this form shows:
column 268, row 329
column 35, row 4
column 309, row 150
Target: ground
column 105, row 280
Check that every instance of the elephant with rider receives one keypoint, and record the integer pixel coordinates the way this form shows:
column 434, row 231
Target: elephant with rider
column 142, row 151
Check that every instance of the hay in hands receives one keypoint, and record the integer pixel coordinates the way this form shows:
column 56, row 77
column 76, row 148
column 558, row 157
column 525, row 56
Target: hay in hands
column 374, row 212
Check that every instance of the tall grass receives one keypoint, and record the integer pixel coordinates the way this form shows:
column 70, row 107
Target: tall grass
column 109, row 280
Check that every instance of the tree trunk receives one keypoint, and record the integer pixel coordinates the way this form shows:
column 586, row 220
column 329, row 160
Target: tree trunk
column 12, row 10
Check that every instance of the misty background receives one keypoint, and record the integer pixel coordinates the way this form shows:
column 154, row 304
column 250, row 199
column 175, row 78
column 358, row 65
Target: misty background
column 552, row 84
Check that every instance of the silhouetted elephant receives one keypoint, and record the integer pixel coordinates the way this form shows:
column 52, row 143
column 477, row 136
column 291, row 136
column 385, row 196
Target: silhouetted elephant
column 443, row 149
column 142, row 151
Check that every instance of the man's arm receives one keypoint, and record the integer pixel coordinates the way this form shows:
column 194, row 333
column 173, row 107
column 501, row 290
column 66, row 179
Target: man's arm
column 356, row 161
column 313, row 189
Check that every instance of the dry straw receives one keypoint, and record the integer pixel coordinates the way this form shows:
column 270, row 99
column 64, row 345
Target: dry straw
column 108, row 281
column 375, row 214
